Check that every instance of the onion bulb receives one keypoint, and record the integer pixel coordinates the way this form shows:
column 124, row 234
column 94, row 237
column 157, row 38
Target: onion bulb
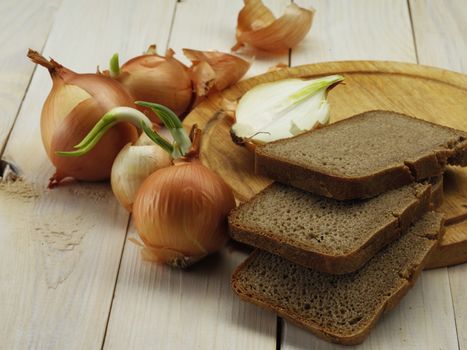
column 257, row 26
column 132, row 166
column 154, row 78
column 75, row 103
column 180, row 211
column 282, row 109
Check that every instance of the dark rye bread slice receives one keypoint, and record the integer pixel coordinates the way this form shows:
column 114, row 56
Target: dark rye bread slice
column 340, row 309
column 331, row 236
column 363, row 156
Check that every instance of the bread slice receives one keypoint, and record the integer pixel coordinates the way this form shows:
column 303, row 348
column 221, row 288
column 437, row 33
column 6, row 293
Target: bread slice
column 331, row 236
column 363, row 156
column 340, row 309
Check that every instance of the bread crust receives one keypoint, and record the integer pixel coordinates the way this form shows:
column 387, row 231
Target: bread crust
column 346, row 339
column 302, row 254
column 323, row 181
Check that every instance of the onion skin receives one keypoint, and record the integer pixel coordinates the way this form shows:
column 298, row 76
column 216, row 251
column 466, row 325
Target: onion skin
column 158, row 79
column 180, row 213
column 74, row 105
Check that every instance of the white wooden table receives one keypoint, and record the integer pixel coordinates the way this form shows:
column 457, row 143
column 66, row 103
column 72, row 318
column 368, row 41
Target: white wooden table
column 69, row 278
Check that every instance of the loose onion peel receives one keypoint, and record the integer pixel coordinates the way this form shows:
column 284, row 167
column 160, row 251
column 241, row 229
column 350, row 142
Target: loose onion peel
column 214, row 69
column 257, row 26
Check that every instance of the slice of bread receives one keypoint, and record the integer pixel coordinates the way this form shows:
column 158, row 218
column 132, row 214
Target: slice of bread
column 363, row 156
column 331, row 236
column 340, row 309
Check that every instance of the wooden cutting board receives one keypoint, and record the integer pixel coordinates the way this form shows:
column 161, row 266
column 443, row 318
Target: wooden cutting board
column 428, row 93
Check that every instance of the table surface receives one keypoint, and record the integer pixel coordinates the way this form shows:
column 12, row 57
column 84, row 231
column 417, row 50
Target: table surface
column 69, row 277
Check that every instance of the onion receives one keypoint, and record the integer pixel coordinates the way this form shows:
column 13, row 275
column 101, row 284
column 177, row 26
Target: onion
column 157, row 79
column 132, row 166
column 180, row 211
column 298, row 106
column 75, row 103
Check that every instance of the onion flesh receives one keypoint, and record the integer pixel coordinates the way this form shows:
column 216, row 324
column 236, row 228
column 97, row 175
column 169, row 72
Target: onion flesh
column 282, row 109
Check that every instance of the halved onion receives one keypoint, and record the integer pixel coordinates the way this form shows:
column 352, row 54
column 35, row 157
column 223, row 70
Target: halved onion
column 282, row 109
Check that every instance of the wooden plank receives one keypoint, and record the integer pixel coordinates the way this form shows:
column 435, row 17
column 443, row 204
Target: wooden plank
column 440, row 32
column 60, row 249
column 440, row 29
column 157, row 307
column 25, row 23
column 357, row 30
column 378, row 30
column 164, row 308
column 457, row 277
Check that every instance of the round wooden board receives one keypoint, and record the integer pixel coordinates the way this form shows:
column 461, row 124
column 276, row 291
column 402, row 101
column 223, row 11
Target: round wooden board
column 428, row 93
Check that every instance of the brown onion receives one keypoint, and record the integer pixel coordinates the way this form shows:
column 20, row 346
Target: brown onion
column 75, row 104
column 157, row 79
column 180, row 213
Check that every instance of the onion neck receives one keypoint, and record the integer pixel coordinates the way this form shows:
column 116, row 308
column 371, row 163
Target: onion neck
column 180, row 148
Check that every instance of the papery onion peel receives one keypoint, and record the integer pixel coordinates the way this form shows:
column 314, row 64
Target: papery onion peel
column 257, row 26
column 215, row 69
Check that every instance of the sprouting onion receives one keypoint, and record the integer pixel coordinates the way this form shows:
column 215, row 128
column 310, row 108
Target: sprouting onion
column 179, row 211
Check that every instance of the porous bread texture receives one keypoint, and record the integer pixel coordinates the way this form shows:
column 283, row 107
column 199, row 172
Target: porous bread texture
column 332, row 236
column 363, row 156
column 340, row 309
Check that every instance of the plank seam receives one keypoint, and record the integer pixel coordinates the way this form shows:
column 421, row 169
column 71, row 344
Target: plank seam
column 18, row 111
column 414, row 37
column 174, row 14
column 453, row 307
column 116, row 282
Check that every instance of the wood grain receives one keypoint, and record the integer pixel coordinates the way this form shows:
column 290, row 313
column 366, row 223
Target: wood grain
column 457, row 280
column 440, row 31
column 60, row 249
column 157, row 307
column 25, row 23
column 356, row 30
